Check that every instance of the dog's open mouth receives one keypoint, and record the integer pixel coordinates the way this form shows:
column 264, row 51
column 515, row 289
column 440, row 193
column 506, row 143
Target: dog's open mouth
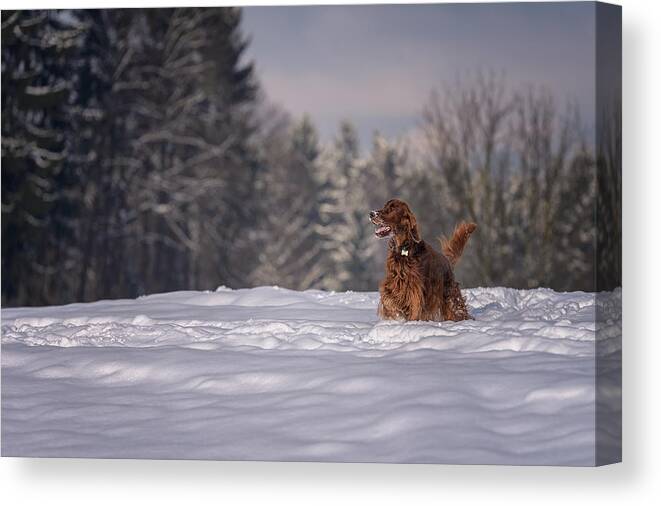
column 382, row 231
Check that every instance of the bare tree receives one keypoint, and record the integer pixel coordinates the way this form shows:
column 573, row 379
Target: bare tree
column 520, row 169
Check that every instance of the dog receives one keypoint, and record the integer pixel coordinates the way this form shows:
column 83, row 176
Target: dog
column 419, row 283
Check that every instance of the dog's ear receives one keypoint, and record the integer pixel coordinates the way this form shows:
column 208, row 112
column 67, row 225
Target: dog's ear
column 412, row 225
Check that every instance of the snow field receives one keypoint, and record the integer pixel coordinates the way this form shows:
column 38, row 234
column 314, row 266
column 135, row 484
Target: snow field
column 273, row 374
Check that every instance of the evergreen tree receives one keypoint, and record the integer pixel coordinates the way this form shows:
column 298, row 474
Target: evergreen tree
column 385, row 165
column 128, row 154
column 345, row 230
column 289, row 247
column 38, row 188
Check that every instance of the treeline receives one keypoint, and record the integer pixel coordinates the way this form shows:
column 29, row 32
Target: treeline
column 139, row 155
column 127, row 152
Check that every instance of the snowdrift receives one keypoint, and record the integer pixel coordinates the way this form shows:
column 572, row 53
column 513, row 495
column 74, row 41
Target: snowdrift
column 274, row 374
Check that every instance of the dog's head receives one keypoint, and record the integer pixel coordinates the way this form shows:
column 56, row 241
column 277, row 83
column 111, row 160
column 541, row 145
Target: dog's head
column 396, row 219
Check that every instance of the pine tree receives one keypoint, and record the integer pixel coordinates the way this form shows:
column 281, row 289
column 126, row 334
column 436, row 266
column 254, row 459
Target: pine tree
column 384, row 166
column 128, row 152
column 289, row 246
column 345, row 230
column 38, row 188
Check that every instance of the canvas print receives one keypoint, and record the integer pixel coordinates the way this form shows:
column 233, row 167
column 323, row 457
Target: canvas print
column 354, row 233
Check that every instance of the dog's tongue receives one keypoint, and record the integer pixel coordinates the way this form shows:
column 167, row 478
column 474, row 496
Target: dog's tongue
column 383, row 229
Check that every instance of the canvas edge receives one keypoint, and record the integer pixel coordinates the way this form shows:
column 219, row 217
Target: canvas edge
column 608, row 250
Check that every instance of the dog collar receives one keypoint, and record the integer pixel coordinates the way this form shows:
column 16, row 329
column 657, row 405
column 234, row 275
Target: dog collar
column 404, row 252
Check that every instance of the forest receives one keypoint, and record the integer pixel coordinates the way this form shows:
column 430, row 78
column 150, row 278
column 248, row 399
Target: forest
column 140, row 154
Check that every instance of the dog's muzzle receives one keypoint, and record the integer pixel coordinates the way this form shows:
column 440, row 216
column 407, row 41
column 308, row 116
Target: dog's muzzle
column 382, row 230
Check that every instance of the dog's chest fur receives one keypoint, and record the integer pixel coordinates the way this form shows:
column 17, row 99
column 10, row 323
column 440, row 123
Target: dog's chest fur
column 402, row 289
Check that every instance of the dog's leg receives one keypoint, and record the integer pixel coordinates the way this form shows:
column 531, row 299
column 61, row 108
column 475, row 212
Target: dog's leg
column 456, row 308
column 388, row 308
column 386, row 311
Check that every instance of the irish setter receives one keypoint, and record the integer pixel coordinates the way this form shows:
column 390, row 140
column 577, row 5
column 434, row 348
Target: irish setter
column 419, row 282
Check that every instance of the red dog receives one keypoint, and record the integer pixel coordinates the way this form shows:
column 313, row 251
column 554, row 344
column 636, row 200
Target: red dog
column 419, row 282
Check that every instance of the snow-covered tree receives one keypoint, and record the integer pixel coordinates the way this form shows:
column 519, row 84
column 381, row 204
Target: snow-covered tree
column 346, row 234
column 384, row 165
column 39, row 196
column 128, row 155
column 289, row 247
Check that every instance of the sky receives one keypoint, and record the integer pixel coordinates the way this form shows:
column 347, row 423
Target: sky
column 376, row 65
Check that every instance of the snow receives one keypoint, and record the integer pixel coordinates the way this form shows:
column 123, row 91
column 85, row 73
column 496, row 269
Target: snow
column 274, row 374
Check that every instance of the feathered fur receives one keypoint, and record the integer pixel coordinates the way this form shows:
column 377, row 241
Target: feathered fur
column 453, row 248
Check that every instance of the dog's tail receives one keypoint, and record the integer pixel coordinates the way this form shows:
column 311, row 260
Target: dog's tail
column 454, row 247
